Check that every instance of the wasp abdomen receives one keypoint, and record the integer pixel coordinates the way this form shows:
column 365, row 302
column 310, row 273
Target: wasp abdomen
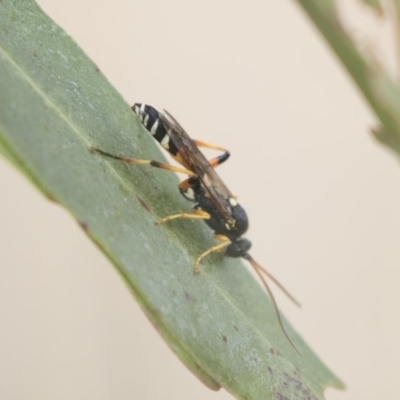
column 151, row 120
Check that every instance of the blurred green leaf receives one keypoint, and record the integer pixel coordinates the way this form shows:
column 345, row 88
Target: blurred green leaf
column 55, row 104
column 376, row 5
column 367, row 74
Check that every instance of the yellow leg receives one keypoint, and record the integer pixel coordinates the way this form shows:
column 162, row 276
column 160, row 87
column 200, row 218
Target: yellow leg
column 225, row 242
column 197, row 214
column 217, row 160
column 210, row 146
column 152, row 163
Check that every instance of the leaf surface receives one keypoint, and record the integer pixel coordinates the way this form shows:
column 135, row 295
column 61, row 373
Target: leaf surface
column 54, row 105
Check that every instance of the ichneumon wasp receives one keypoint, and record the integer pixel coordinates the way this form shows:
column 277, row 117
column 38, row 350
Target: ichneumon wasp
column 214, row 203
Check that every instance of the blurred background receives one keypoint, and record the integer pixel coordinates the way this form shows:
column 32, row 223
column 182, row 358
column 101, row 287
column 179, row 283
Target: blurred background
column 323, row 198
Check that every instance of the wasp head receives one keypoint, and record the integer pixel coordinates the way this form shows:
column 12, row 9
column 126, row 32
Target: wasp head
column 238, row 248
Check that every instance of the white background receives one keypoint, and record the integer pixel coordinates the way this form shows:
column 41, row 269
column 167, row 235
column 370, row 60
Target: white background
column 322, row 195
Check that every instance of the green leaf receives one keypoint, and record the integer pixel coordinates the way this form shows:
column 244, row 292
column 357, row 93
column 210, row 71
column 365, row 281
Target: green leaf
column 388, row 92
column 55, row 105
column 366, row 70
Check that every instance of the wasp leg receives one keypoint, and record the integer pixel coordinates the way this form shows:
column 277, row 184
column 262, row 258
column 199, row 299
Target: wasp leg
column 189, row 188
column 217, row 160
column 197, row 214
column 187, row 184
column 153, row 163
column 225, row 242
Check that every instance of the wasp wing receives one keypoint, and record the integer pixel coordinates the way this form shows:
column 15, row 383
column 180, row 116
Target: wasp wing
column 194, row 160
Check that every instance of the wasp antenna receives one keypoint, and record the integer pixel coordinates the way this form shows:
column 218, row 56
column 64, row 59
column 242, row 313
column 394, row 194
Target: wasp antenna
column 277, row 283
column 258, row 269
